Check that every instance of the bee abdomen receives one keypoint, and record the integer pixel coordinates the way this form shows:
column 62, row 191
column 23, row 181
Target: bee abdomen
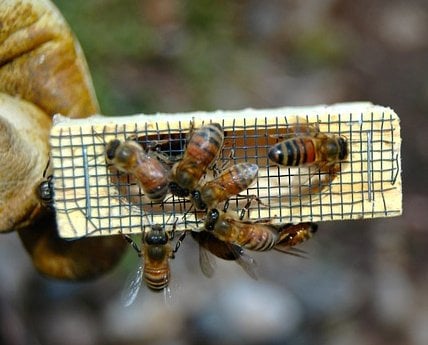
column 156, row 279
column 293, row 152
column 261, row 240
column 158, row 193
column 206, row 142
column 243, row 175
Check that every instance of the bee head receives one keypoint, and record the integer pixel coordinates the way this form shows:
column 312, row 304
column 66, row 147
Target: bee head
column 156, row 236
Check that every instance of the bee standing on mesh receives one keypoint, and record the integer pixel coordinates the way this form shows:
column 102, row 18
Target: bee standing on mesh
column 258, row 235
column 151, row 174
column 210, row 246
column 230, row 182
column 306, row 146
column 154, row 268
column 203, row 147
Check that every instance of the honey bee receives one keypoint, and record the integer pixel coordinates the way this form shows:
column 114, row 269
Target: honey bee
column 154, row 267
column 231, row 182
column 209, row 245
column 45, row 189
column 291, row 235
column 306, row 146
column 258, row 236
column 202, row 149
column 150, row 172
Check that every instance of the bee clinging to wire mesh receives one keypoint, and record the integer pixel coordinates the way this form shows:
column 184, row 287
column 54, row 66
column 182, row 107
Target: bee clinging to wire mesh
column 203, row 147
column 230, row 182
column 150, row 172
column 306, row 146
column 154, row 268
column 258, row 235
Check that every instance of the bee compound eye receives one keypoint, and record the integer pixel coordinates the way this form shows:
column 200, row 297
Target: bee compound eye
column 332, row 147
column 343, row 148
column 111, row 149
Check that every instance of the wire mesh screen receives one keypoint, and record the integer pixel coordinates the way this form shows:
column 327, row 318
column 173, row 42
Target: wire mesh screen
column 94, row 198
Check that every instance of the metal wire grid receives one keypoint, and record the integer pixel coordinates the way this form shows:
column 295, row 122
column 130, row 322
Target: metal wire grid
column 91, row 198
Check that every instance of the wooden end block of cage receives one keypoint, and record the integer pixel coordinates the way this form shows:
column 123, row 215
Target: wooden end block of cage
column 91, row 199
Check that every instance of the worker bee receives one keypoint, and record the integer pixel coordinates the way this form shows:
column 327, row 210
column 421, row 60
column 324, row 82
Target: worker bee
column 306, row 146
column 45, row 189
column 202, row 149
column 209, row 245
column 151, row 174
column 154, row 266
column 259, row 236
column 231, row 182
column 291, row 235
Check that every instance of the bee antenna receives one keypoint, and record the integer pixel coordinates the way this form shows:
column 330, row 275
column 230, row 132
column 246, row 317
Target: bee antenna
column 149, row 222
column 47, row 166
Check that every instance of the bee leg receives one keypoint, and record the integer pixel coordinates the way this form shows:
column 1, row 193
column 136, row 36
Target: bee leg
column 230, row 158
column 187, row 211
column 325, row 176
column 178, row 244
column 246, row 209
column 226, row 205
column 190, row 132
column 174, row 227
column 131, row 242
column 252, row 197
column 216, row 170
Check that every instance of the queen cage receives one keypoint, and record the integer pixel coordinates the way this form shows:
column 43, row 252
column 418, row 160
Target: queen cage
column 92, row 198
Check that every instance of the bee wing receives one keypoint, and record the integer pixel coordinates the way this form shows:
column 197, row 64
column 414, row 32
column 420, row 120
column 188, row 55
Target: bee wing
column 319, row 179
column 206, row 262
column 301, row 127
column 132, row 285
column 244, row 260
column 286, row 249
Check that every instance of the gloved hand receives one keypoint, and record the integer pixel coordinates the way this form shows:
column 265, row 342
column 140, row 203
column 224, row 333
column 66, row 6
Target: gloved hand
column 42, row 72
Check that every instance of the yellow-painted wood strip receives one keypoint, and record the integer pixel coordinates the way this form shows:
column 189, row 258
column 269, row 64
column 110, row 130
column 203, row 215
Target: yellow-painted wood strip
column 92, row 199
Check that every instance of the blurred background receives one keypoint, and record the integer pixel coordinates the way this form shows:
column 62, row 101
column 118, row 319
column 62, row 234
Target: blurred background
column 365, row 282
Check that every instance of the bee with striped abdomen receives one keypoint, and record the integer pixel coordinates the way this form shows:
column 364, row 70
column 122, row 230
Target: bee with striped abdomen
column 202, row 149
column 252, row 235
column 230, row 182
column 306, row 146
column 151, row 174
column 154, row 266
